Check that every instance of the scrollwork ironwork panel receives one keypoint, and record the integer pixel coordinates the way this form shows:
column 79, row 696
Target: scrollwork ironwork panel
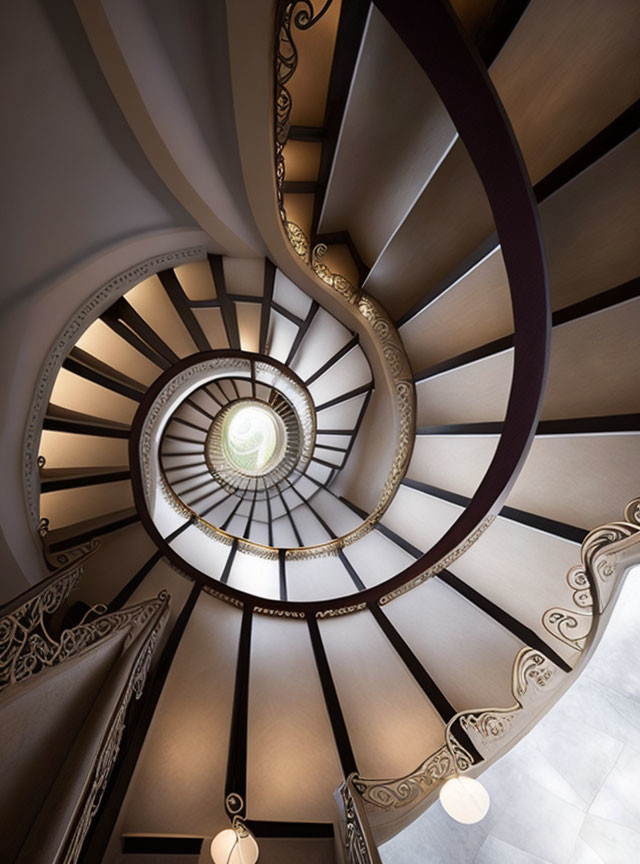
column 24, row 637
column 27, row 647
column 110, row 747
column 378, row 322
column 592, row 582
column 358, row 841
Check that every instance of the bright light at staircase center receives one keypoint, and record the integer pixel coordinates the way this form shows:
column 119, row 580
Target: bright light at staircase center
column 464, row 799
column 252, row 438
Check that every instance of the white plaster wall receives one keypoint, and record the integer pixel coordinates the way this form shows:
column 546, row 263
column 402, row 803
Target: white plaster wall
column 82, row 205
column 74, row 179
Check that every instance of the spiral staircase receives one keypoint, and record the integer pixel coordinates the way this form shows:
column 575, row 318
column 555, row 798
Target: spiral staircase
column 378, row 581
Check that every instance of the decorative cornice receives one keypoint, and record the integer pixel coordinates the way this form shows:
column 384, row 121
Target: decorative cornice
column 279, row 613
column 77, row 324
column 342, row 610
column 211, row 591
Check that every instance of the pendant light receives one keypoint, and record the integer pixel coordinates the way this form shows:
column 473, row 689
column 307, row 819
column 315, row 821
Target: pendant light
column 235, row 845
column 464, row 799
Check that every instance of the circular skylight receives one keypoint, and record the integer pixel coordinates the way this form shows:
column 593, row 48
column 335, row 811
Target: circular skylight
column 253, row 438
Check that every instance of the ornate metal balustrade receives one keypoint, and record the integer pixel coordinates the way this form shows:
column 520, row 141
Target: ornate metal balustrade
column 359, row 844
column 154, row 617
column 26, row 645
column 164, row 398
column 426, row 28
column 300, row 14
column 607, row 552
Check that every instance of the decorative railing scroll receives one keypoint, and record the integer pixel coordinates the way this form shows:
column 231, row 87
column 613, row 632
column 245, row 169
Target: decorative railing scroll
column 300, row 14
column 26, row 645
column 25, row 642
column 359, row 845
column 533, row 676
column 605, row 553
column 409, row 790
column 154, row 615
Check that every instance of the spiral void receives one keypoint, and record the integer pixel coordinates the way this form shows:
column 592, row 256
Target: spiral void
column 357, row 412
column 237, row 450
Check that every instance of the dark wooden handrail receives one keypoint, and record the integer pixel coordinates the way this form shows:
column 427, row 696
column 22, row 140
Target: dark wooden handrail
column 434, row 35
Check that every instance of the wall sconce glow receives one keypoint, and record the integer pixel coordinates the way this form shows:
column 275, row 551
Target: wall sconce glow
column 464, row 799
column 234, row 846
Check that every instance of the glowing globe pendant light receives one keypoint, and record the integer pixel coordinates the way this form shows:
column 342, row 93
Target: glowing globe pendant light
column 235, row 845
column 464, row 799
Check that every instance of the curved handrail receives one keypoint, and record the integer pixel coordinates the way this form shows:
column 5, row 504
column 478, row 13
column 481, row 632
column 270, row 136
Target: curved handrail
column 606, row 553
column 432, row 32
column 435, row 37
column 156, row 396
column 71, row 568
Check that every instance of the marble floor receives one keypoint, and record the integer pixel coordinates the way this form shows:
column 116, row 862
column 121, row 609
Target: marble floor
column 568, row 793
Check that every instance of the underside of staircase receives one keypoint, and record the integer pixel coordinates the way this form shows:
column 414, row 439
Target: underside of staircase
column 407, row 233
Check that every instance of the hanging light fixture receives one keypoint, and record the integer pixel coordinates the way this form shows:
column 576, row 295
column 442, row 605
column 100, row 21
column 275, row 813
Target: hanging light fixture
column 235, row 845
column 464, row 799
